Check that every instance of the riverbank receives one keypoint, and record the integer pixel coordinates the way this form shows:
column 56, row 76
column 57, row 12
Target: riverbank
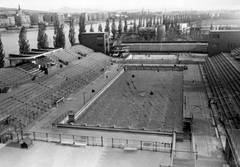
column 4, row 31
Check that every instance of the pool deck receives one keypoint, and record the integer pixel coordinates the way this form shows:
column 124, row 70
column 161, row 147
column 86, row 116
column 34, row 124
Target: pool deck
column 206, row 143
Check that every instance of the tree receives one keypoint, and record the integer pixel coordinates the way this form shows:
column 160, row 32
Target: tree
column 143, row 23
column 107, row 28
column 81, row 26
column 113, row 28
column 125, row 25
column 150, row 22
column 131, row 29
column 154, row 20
column 100, row 28
column 120, row 27
column 91, row 28
column 140, row 22
column 42, row 36
column 211, row 26
column 72, row 33
column 157, row 22
column 2, row 54
column 147, row 22
column 134, row 26
column 23, row 42
column 59, row 36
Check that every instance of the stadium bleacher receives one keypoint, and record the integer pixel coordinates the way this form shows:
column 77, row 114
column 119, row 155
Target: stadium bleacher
column 223, row 80
column 25, row 103
column 235, row 52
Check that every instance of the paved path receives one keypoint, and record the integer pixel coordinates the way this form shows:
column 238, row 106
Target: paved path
column 205, row 141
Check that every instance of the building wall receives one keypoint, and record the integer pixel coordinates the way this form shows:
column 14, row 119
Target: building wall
column 23, row 20
column 11, row 20
column 99, row 42
column 7, row 21
column 58, row 17
column 223, row 41
column 4, row 21
column 36, row 18
column 47, row 18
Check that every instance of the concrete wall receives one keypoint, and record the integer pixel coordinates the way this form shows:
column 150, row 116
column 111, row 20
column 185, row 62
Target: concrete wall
column 223, row 41
column 168, row 47
column 99, row 42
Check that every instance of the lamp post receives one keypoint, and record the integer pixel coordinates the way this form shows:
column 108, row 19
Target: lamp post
column 84, row 97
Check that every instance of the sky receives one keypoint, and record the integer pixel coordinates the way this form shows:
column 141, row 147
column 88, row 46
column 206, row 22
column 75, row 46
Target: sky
column 158, row 5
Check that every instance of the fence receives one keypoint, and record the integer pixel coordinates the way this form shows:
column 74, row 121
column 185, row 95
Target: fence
column 67, row 138
column 77, row 140
column 160, row 68
column 148, row 61
column 130, row 144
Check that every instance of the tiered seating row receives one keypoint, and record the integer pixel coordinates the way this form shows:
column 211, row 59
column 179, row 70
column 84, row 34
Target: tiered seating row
column 231, row 78
column 13, row 77
column 81, row 49
column 229, row 75
column 220, row 94
column 235, row 51
column 31, row 69
column 27, row 103
column 71, row 54
column 63, row 55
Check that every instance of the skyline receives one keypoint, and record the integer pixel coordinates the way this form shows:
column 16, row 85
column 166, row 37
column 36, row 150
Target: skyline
column 107, row 5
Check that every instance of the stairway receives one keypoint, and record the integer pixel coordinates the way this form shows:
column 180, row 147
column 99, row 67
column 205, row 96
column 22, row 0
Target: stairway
column 183, row 156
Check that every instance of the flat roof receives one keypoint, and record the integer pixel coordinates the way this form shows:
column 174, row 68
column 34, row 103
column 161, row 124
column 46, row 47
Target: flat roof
column 86, row 33
column 224, row 31
column 29, row 56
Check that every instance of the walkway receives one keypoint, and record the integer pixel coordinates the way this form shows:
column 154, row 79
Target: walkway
column 204, row 137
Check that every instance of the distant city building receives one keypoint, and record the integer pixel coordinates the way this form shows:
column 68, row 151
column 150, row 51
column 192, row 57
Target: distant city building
column 99, row 16
column 67, row 15
column 36, row 18
column 98, row 41
column 21, row 18
column 58, row 17
column 11, row 20
column 105, row 16
column 4, row 21
column 183, row 27
column 161, row 32
column 223, row 41
column 230, row 15
column 47, row 18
